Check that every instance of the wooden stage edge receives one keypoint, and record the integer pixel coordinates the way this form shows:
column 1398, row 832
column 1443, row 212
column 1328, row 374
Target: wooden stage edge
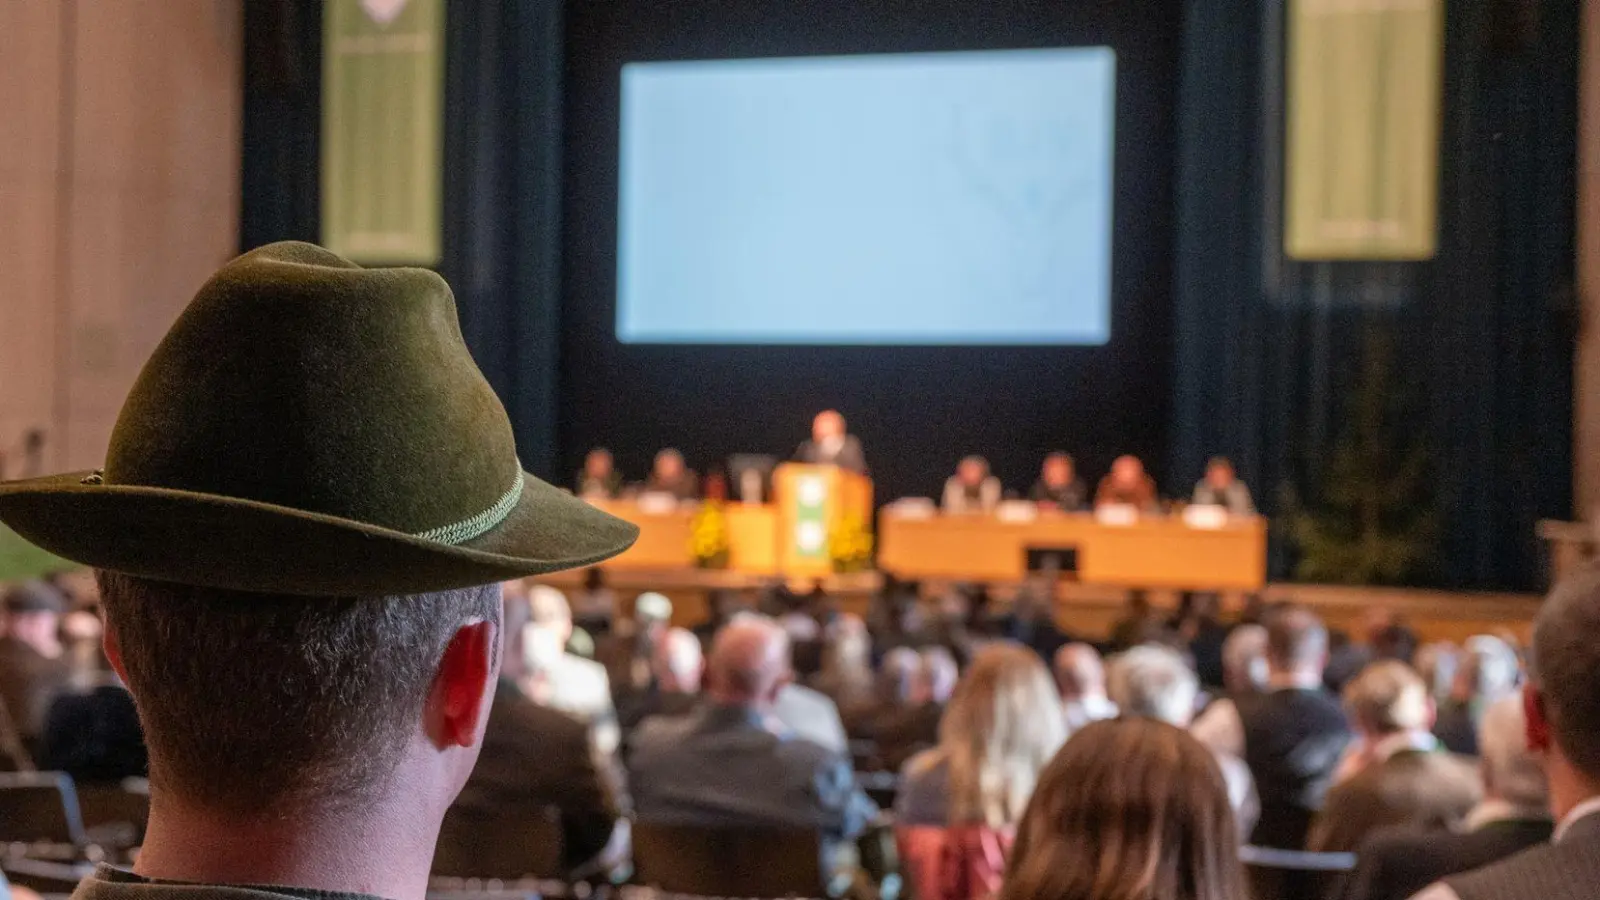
column 1090, row 610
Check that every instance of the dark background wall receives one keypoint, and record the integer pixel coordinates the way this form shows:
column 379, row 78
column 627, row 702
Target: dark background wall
column 1220, row 344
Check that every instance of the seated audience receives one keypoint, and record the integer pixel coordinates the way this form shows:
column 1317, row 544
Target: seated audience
column 1244, row 672
column 1221, row 487
column 1294, row 734
column 1139, row 624
column 1197, row 627
column 33, row 667
column 1081, row 681
column 1059, row 486
column 627, row 651
column 1394, row 773
column 894, row 690
column 1394, row 863
column 1489, row 670
column 669, row 475
column 908, row 729
column 1127, row 484
column 560, row 680
column 533, row 759
column 1132, row 809
column 810, row 715
column 1563, row 712
column 594, row 606
column 1155, row 682
column 1031, row 621
column 1437, row 663
column 960, row 802
column 832, row 445
column 972, row 489
column 727, row 764
column 678, row 665
column 846, row 677
column 599, row 479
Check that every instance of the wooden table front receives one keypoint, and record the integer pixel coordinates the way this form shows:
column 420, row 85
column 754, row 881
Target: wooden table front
column 664, row 537
column 1155, row 552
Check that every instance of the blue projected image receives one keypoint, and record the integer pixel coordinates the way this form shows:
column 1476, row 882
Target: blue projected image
column 932, row 198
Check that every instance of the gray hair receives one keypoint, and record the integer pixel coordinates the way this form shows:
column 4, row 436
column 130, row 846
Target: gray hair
column 1490, row 668
column 1511, row 771
column 1566, row 666
column 1244, row 658
column 1155, row 682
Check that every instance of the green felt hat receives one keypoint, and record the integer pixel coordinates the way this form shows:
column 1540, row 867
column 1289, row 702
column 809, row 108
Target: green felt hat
column 312, row 427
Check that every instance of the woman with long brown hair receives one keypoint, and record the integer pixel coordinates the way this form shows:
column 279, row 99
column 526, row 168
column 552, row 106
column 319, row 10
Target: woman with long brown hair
column 960, row 802
column 1132, row 809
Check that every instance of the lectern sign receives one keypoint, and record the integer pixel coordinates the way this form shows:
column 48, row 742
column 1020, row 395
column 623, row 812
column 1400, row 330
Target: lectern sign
column 810, row 517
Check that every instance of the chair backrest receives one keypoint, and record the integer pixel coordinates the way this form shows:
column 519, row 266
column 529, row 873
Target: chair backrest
column 43, row 877
column 529, row 846
column 1295, row 874
column 39, row 807
column 727, row 861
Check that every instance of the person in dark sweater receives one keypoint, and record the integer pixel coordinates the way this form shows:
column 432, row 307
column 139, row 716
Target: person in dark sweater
column 1295, row 732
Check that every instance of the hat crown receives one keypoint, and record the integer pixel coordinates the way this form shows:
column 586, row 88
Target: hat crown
column 299, row 379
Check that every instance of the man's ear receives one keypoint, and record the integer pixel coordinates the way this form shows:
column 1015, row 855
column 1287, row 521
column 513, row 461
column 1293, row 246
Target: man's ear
column 113, row 651
column 1538, row 727
column 457, row 704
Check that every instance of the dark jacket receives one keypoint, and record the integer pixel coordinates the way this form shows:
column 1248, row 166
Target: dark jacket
column 1567, row 869
column 1293, row 741
column 1395, row 863
column 29, row 683
column 723, row 766
column 850, row 456
column 533, row 759
column 94, row 737
column 1412, row 787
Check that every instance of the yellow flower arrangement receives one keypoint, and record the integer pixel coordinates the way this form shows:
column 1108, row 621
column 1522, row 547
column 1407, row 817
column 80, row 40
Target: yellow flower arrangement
column 851, row 545
column 708, row 536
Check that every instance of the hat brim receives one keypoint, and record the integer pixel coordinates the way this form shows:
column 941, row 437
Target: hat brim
column 236, row 544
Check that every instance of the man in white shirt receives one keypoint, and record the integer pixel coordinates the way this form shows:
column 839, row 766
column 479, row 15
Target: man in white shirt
column 1562, row 701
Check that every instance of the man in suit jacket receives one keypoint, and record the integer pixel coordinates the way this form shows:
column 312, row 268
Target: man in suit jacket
column 534, row 759
column 1394, row 863
column 1294, row 733
column 831, row 445
column 1397, row 774
column 728, row 764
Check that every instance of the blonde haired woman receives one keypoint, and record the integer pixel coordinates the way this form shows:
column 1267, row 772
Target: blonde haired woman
column 1132, row 809
column 959, row 803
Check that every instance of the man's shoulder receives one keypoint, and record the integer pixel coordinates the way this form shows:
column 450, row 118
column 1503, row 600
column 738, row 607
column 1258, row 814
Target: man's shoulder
column 1536, row 865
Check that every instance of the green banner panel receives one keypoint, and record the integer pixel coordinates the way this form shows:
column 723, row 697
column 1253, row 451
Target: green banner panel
column 1363, row 129
column 382, row 83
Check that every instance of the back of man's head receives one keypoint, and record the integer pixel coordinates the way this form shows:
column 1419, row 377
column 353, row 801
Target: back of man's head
column 1244, row 659
column 1154, row 682
column 1566, row 669
column 1388, row 697
column 263, row 705
column 1079, row 672
column 1297, row 641
column 678, row 662
column 939, row 675
column 749, row 663
column 1489, row 669
column 1511, row 771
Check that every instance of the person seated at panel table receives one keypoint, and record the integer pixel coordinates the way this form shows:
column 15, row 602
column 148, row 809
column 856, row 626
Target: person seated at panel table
column 669, row 475
column 972, row 489
column 1222, row 487
column 1059, row 485
column 832, row 445
column 599, row 479
column 1127, row 484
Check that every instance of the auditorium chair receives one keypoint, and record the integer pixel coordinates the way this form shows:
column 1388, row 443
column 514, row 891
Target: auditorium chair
column 728, row 862
column 115, row 815
column 39, row 815
column 529, row 847
column 1295, row 874
column 48, row 879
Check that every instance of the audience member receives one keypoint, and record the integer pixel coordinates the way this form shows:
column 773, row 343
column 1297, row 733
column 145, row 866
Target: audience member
column 599, row 479
column 1155, row 682
column 1437, row 663
column 1294, row 734
column 810, row 715
column 594, row 606
column 1221, row 487
column 94, row 735
column 846, row 677
column 727, row 764
column 1132, row 809
column 560, row 680
column 972, row 489
column 1394, row 773
column 1396, row 641
column 1059, row 486
column 678, row 665
column 628, row 650
column 33, row 668
column 1489, row 670
column 1244, row 672
column 1197, row 627
column 912, row 727
column 669, row 475
column 534, row 759
column 1394, row 863
column 832, row 445
column 1562, row 703
column 960, row 802
column 1138, row 624
column 1081, row 681
column 1127, row 484
column 1031, row 621
column 894, row 690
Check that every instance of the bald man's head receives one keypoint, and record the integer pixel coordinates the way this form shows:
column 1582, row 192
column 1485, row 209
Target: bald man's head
column 678, row 662
column 749, row 663
column 1079, row 672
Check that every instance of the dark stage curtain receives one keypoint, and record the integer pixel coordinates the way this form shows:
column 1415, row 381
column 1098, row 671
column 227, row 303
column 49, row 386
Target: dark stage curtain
column 1268, row 350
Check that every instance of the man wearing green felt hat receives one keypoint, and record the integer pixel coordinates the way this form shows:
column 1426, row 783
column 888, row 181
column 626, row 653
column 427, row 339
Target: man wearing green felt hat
column 309, row 500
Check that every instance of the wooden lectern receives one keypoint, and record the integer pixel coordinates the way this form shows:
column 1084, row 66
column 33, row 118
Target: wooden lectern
column 812, row 502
